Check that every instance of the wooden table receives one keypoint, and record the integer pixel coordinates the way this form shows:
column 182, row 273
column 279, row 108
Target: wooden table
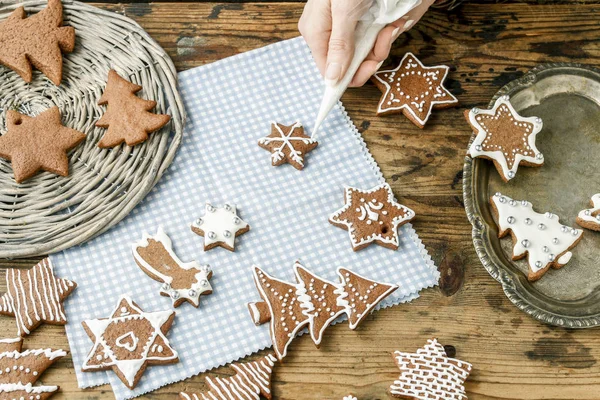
column 514, row 357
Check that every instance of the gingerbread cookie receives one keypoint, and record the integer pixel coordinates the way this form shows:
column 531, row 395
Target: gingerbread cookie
column 350, row 398
column 37, row 143
column 219, row 226
column 37, row 40
column 430, row 374
column 505, row 137
column 35, row 296
column 19, row 370
column 372, row 216
column 540, row 237
column 312, row 301
column 413, row 89
column 129, row 340
column 252, row 380
column 127, row 117
column 181, row 281
column 590, row 218
column 288, row 144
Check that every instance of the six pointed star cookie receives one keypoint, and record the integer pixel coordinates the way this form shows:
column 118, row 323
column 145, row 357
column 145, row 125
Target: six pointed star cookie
column 372, row 216
column 35, row 296
column 288, row 144
column 413, row 89
column 129, row 340
column 220, row 226
column 38, row 143
column 505, row 137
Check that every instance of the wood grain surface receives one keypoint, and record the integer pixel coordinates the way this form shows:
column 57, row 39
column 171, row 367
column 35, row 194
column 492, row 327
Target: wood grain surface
column 487, row 45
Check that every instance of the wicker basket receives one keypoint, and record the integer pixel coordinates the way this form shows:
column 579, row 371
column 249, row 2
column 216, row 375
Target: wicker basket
column 49, row 213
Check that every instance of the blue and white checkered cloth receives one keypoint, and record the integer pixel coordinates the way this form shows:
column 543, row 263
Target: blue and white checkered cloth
column 230, row 105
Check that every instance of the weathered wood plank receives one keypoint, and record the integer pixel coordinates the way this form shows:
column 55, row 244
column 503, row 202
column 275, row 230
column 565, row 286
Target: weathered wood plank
column 514, row 356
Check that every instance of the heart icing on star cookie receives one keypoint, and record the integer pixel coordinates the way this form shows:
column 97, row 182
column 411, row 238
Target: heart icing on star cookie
column 413, row 89
column 505, row 137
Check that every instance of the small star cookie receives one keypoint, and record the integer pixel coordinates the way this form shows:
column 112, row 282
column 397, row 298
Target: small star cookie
column 220, row 226
column 288, row 144
column 38, row 143
column 413, row 89
column 129, row 340
column 372, row 216
column 505, row 137
column 590, row 218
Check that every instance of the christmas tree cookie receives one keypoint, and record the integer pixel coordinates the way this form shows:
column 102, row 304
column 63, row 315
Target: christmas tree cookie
column 540, row 237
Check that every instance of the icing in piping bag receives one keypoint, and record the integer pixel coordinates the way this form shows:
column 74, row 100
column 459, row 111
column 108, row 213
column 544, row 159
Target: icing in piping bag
column 379, row 15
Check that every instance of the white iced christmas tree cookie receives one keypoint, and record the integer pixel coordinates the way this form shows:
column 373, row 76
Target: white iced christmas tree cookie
column 541, row 237
column 505, row 137
column 590, row 218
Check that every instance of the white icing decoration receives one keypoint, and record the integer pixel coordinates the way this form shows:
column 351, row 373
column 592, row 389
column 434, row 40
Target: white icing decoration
column 589, row 215
column 197, row 288
column 373, row 215
column 395, row 104
column 499, row 156
column 127, row 341
column 218, row 220
column 28, row 388
column 536, row 238
column 129, row 368
column 349, row 398
column 430, row 371
column 286, row 141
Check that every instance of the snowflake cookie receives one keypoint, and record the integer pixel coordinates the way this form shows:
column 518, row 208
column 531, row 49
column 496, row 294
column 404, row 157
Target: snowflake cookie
column 129, row 340
column 590, row 218
column 181, row 281
column 372, row 216
column 541, row 237
column 413, row 89
column 288, row 144
column 430, row 374
column 219, row 226
column 505, row 137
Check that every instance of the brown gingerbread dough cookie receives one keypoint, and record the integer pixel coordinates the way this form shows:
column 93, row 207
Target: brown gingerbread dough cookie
column 288, row 144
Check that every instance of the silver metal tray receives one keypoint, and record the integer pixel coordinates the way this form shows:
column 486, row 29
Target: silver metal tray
column 567, row 98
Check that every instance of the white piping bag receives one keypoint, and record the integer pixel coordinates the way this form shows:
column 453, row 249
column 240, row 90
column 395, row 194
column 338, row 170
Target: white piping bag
column 379, row 15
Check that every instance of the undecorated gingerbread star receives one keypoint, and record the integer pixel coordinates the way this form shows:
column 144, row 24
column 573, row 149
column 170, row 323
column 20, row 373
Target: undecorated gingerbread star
column 505, row 137
column 288, row 144
column 220, row 226
column 372, row 216
column 413, row 89
column 38, row 143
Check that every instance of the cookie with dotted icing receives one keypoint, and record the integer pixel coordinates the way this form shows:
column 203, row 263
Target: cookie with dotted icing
column 413, row 89
column 35, row 296
column 429, row 374
column 313, row 302
column 540, row 237
column 128, row 341
column 371, row 216
column 220, row 226
column 181, row 281
column 288, row 144
column 590, row 218
column 505, row 137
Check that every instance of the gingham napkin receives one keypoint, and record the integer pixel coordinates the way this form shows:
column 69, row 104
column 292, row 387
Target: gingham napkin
column 230, row 105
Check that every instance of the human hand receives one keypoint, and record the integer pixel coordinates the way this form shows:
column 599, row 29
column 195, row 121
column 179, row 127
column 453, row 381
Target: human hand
column 328, row 27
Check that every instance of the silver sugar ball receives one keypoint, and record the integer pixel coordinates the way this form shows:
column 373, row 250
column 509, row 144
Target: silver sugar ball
column 199, row 221
column 212, row 235
column 538, row 264
column 549, row 215
column 227, row 207
column 524, row 203
column 574, row 232
column 498, row 194
column 512, row 203
column 545, row 249
column 166, row 287
column 511, row 174
column 598, row 217
column 475, row 110
column 510, row 220
column 505, row 97
column 555, row 241
column 502, row 200
column 587, row 212
column 210, row 208
column 551, row 257
column 226, row 234
column 192, row 293
column 538, row 120
column 564, row 229
column 236, row 220
column 478, row 147
column 541, row 227
column 528, row 221
column 204, row 282
column 174, row 294
column 539, row 156
column 525, row 243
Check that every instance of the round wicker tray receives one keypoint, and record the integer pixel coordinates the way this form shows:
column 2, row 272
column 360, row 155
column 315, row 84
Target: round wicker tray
column 49, row 213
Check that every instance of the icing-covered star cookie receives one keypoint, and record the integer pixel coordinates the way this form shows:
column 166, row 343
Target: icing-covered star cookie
column 590, row 218
column 372, row 216
column 413, row 89
column 288, row 144
column 129, row 340
column 540, row 237
column 219, row 226
column 505, row 137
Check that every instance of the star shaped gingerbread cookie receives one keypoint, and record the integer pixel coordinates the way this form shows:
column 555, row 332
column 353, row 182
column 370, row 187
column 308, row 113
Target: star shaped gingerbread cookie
column 413, row 89
column 505, row 137
column 129, row 340
column 37, row 143
column 219, row 226
column 288, row 144
column 372, row 216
